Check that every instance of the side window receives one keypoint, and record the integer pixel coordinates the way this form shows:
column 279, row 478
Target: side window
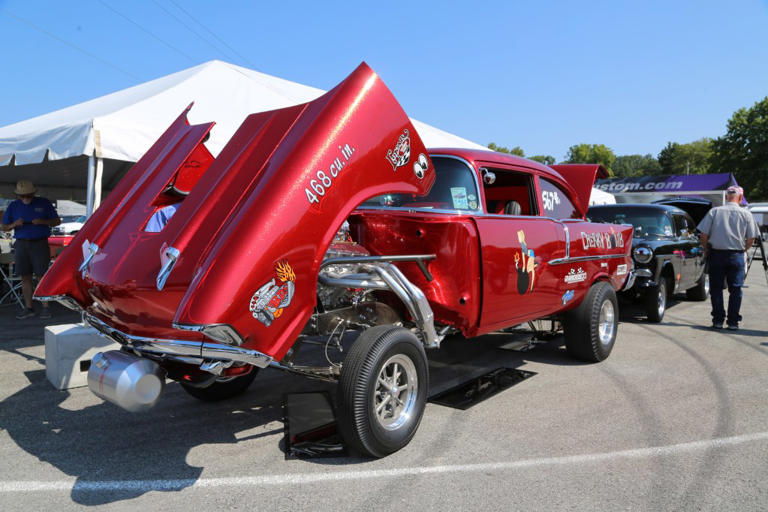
column 511, row 193
column 555, row 202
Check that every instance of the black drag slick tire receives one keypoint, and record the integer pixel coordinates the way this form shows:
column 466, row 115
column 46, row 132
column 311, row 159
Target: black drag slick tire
column 701, row 290
column 590, row 329
column 382, row 390
column 656, row 300
column 221, row 389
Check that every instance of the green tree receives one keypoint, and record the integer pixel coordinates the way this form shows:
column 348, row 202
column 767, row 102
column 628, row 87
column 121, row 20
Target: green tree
column 543, row 159
column 591, row 154
column 743, row 150
column 692, row 158
column 517, row 150
column 626, row 166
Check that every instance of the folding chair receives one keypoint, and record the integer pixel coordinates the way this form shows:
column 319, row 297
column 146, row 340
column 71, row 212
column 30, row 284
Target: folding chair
column 13, row 282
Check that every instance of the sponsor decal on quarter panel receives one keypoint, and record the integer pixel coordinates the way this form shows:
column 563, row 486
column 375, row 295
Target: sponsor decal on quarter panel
column 269, row 301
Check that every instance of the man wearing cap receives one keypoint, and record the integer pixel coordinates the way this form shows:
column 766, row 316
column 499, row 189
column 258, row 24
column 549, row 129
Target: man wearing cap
column 31, row 218
column 730, row 231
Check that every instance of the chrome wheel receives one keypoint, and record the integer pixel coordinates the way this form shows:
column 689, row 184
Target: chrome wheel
column 394, row 396
column 607, row 323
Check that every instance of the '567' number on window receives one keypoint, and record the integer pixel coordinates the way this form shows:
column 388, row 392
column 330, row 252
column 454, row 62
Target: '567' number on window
column 550, row 198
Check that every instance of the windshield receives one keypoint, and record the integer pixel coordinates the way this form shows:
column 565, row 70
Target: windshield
column 646, row 222
column 454, row 189
column 73, row 218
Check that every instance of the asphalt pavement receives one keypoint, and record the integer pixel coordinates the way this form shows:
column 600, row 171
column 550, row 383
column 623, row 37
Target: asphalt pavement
column 675, row 419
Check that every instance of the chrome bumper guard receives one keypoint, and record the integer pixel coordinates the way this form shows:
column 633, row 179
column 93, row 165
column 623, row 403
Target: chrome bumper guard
column 178, row 349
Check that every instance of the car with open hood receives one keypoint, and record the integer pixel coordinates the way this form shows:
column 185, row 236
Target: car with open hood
column 324, row 218
column 666, row 250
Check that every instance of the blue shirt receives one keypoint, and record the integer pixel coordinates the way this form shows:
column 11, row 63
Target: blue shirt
column 161, row 217
column 39, row 208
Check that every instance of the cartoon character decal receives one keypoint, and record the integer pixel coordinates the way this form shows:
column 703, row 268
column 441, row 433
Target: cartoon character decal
column 525, row 264
column 400, row 155
column 270, row 300
column 421, row 166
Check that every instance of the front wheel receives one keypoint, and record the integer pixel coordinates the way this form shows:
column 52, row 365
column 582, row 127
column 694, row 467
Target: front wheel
column 701, row 290
column 590, row 329
column 382, row 390
column 222, row 388
column 656, row 301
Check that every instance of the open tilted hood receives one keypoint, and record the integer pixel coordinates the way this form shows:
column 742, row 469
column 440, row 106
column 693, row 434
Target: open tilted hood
column 243, row 250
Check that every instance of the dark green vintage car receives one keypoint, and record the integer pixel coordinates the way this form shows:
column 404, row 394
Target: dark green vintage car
column 666, row 252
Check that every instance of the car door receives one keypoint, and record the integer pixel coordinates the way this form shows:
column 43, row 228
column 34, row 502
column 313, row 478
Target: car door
column 684, row 252
column 516, row 245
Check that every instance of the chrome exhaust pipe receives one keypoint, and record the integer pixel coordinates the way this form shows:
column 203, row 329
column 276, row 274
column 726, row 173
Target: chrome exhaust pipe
column 134, row 383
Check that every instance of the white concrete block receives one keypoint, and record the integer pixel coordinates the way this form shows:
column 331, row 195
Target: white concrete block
column 68, row 352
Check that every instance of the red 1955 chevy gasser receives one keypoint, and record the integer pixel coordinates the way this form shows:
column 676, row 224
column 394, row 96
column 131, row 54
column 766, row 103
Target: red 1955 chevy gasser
column 253, row 262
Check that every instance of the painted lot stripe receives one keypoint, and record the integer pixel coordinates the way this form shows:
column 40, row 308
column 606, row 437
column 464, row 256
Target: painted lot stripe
column 341, row 476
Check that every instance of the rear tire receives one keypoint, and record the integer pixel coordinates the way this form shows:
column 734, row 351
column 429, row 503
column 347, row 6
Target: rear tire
column 590, row 329
column 701, row 290
column 221, row 389
column 656, row 301
column 382, row 390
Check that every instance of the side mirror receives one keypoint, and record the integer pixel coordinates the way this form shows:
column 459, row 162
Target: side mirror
column 489, row 178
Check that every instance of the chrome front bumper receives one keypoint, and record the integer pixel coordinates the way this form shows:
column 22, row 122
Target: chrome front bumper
column 184, row 350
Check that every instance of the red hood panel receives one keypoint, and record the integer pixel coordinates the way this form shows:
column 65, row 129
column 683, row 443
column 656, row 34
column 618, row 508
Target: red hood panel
column 252, row 232
column 581, row 177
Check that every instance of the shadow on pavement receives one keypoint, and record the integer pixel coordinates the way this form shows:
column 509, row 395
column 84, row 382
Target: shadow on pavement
column 148, row 451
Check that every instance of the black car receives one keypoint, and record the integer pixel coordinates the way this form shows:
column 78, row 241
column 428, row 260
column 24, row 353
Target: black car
column 666, row 252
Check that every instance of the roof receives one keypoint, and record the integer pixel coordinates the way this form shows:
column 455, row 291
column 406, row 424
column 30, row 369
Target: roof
column 646, row 206
column 485, row 155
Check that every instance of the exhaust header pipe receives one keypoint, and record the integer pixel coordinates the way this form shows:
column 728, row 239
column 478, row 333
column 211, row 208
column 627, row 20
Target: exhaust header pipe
column 132, row 382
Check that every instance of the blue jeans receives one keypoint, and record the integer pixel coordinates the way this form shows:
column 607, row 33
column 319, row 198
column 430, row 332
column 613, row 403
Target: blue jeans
column 726, row 266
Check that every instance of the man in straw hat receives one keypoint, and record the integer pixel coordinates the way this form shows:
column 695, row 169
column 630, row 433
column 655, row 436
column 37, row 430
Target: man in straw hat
column 31, row 218
column 730, row 231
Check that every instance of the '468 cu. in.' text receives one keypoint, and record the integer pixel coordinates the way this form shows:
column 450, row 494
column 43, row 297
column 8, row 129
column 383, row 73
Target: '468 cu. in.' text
column 321, row 181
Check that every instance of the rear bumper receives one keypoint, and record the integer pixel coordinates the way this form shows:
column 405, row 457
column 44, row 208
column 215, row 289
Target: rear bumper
column 184, row 350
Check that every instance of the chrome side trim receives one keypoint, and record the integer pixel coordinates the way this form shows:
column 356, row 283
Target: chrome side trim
column 564, row 261
column 184, row 348
column 567, row 242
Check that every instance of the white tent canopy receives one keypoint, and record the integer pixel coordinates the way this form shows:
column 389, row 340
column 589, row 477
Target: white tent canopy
column 96, row 141
column 601, row 197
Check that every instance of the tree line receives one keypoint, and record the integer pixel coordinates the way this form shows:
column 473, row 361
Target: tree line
column 742, row 150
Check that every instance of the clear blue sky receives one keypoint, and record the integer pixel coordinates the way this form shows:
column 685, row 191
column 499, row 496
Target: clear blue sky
column 539, row 75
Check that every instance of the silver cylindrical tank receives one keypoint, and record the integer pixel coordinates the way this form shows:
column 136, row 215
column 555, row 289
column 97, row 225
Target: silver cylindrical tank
column 132, row 382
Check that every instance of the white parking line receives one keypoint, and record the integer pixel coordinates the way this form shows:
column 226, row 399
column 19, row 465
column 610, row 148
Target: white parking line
column 340, row 476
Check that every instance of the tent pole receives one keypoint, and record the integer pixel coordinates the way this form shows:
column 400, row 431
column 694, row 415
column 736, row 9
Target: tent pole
column 91, row 179
column 97, row 182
